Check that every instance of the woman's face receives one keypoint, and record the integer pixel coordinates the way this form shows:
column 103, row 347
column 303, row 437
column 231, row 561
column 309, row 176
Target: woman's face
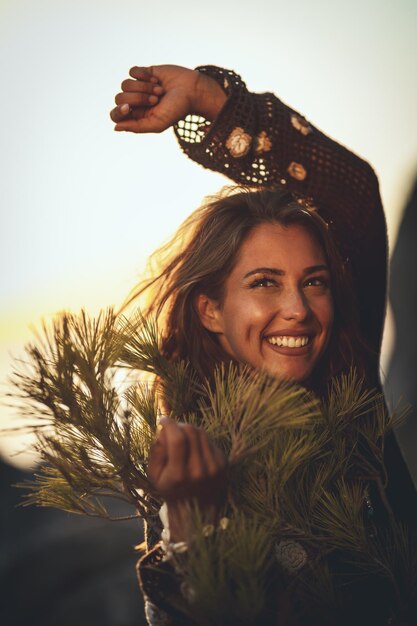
column 276, row 312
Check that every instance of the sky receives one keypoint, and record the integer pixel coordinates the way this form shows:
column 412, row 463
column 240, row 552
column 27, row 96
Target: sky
column 82, row 207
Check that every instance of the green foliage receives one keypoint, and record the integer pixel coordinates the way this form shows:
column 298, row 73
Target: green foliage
column 95, row 434
column 250, row 407
column 301, row 469
column 304, row 477
column 228, row 571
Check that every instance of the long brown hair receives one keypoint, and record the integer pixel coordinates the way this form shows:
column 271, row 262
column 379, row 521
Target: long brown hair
column 201, row 256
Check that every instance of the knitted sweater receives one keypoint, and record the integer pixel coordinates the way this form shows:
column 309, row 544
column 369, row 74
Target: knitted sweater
column 257, row 140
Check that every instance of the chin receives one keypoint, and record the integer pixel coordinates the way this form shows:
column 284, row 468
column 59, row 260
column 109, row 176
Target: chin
column 296, row 374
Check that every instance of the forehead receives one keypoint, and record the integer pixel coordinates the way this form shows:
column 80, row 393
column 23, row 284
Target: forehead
column 282, row 247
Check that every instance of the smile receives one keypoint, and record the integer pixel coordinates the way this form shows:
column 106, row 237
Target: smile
column 287, row 341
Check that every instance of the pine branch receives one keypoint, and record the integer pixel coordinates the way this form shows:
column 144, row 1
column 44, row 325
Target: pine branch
column 140, row 340
column 299, row 467
column 228, row 571
column 70, row 383
column 248, row 407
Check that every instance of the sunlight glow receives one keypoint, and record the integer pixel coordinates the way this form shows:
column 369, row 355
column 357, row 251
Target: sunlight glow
column 83, row 207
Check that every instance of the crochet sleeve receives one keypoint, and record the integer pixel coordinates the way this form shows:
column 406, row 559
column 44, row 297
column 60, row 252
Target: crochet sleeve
column 257, row 140
column 164, row 600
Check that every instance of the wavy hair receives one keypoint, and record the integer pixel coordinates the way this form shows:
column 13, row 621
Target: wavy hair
column 200, row 257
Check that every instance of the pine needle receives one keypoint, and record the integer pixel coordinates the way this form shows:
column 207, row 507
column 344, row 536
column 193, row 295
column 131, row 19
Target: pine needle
column 300, row 468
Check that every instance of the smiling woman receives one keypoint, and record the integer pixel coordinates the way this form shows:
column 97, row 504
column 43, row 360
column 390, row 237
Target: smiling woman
column 276, row 309
column 269, row 303
column 288, row 276
column 258, row 280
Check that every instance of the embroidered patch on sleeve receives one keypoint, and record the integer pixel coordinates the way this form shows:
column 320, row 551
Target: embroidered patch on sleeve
column 238, row 142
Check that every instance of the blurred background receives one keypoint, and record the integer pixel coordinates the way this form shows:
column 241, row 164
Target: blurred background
column 82, row 207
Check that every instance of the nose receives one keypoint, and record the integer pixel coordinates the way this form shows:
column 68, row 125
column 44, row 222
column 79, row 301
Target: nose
column 294, row 305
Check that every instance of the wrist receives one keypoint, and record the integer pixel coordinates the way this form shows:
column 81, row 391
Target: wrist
column 178, row 520
column 208, row 98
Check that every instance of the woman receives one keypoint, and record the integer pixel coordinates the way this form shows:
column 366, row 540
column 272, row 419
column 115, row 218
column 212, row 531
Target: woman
column 281, row 300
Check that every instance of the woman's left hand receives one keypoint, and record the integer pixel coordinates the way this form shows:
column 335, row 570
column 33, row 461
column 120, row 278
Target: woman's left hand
column 156, row 97
column 184, row 466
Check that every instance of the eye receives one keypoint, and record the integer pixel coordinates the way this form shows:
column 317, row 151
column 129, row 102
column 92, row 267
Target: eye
column 264, row 281
column 317, row 281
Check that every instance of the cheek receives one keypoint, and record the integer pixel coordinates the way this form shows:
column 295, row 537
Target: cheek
column 323, row 311
column 330, row 313
column 246, row 315
column 326, row 315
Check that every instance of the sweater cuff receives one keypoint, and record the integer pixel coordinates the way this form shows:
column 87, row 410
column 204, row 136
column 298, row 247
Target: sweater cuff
column 195, row 132
column 168, row 547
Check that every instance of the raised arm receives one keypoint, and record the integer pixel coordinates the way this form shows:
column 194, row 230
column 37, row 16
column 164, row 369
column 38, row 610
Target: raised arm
column 156, row 97
column 257, row 140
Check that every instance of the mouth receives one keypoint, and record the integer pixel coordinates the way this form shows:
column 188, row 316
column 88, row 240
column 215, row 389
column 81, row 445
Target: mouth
column 293, row 345
column 288, row 341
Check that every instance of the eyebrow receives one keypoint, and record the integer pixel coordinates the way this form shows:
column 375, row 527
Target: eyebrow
column 278, row 272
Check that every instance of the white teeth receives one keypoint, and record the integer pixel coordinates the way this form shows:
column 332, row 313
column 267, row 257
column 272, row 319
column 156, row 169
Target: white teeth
column 289, row 341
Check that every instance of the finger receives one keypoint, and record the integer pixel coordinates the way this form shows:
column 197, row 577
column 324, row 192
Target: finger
column 213, row 457
column 143, row 73
column 164, row 419
column 134, row 86
column 196, row 467
column 120, row 113
column 131, row 126
column 177, row 450
column 136, row 99
column 142, row 125
column 158, row 458
column 218, row 456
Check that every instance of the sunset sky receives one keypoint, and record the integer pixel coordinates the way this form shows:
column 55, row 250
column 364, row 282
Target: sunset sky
column 82, row 207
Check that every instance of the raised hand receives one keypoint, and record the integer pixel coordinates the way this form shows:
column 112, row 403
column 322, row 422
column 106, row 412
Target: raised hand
column 156, row 97
column 184, row 466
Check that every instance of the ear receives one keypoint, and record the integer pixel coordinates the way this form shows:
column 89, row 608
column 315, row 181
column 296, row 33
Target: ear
column 209, row 312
